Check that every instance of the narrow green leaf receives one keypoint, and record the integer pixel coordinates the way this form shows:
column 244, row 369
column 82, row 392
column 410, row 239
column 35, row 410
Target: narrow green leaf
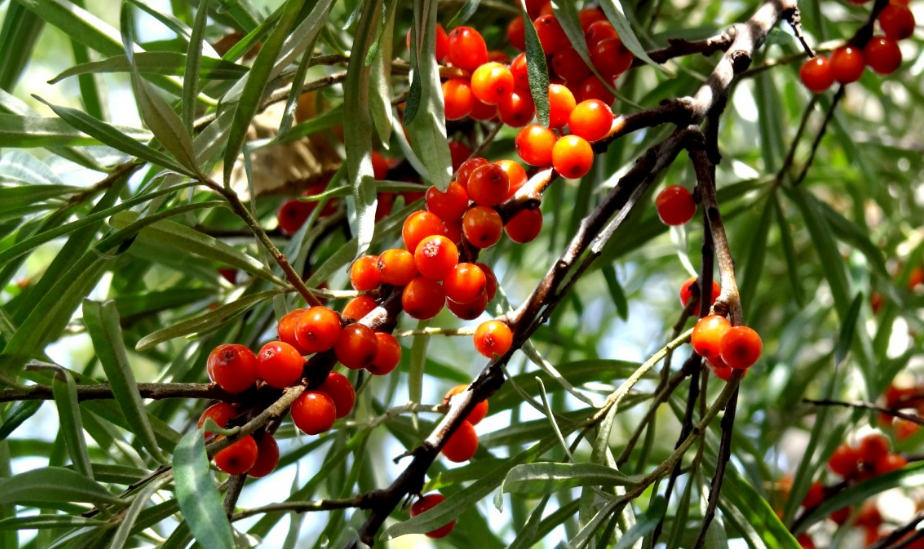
column 160, row 62
column 44, row 522
column 18, row 413
column 617, row 294
column 89, row 90
column 186, row 238
column 547, row 478
column 35, row 131
column 380, row 83
column 65, row 393
column 102, row 321
column 319, row 123
column 197, row 495
column 758, row 513
column 789, row 253
column 848, row 329
column 567, row 15
column 53, row 485
column 195, row 64
column 77, row 23
column 754, row 261
column 536, row 70
column 617, row 16
column 20, row 32
column 645, row 524
column 124, row 532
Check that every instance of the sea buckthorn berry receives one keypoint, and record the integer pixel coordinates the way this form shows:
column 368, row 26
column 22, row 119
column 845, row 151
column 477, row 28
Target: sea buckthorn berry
column 279, row 364
column 286, row 328
column 719, row 368
column 534, row 7
column 221, row 413
column 467, row 49
column 572, row 157
column 593, row 88
column 488, row 186
column 482, row 227
column 534, row 145
column 520, row 72
column 675, row 205
column 453, row 231
column 845, row 461
column 233, row 367
column 341, row 391
column 426, row 503
column 741, row 347
column 465, row 170
column 314, row 412
column 869, row 516
column 591, row 119
column 525, row 226
column 517, row 109
column 267, row 457
column 599, row 31
column 423, row 298
column 387, row 355
column 471, row 310
column 569, row 65
column 816, row 74
column 359, row 307
column 420, row 225
column 896, row 21
column 550, row 33
column 459, row 153
column 356, row 347
column 492, row 82
column 458, row 99
column 889, row 463
column 483, row 111
column 436, row 256
column 805, row 541
column 490, row 284
column 561, row 104
column 478, row 412
column 318, row 329
column 686, row 292
column 493, row 338
column 814, row 496
column 238, row 458
column 847, row 64
column 228, row 274
column 383, row 206
column 882, row 55
column 516, row 33
column 915, row 278
column 841, row 515
column 462, row 444
column 397, row 267
column 441, row 48
column 379, row 166
column 707, row 335
column 872, row 447
column 589, row 16
column 464, row 283
column 292, row 215
column 364, row 275
column 904, row 428
column 515, row 174
column 611, row 57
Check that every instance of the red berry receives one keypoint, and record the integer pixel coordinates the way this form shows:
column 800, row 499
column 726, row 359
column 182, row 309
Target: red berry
column 397, row 267
column 550, row 33
column 356, row 347
column 561, row 104
column 441, row 48
column 805, row 541
column 470, row 310
column 707, row 335
column 453, row 231
column 465, row 171
column 847, row 64
column 896, row 21
column 889, row 463
column 593, row 88
column 483, row 111
column 478, row 412
column 425, row 504
column 458, row 99
column 488, row 185
column 387, row 356
column 841, row 515
column 340, row 390
column 492, row 82
column 675, row 205
column 591, row 119
column 872, row 447
column 467, row 49
column 569, row 65
column 882, row 55
column 286, row 329
column 420, row 225
column 493, row 338
column 436, row 256
column 686, row 292
column 519, row 68
column 589, row 16
column 611, row 57
column 318, row 329
column 515, row 174
column 816, row 74
column 845, row 461
column 719, row 368
column 516, row 33
column 534, row 145
column 815, row 496
column 233, row 367
column 359, row 307
column 293, row 214
column 741, row 347
column 280, row 365
column 221, row 413
column 238, row 458
column 869, row 516
column 464, row 283
column 524, row 226
column 462, row 444
column 599, row 31
column 572, row 157
column 423, row 298
column 517, row 109
column 490, row 284
column 228, row 274
column 379, row 166
column 267, row 457
column 459, row 153
column 314, row 412
column 482, row 226
column 364, row 275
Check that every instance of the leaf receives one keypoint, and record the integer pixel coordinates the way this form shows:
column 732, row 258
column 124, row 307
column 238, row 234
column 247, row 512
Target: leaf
column 617, row 16
column 755, row 509
column 645, row 524
column 53, row 485
column 380, row 78
column 18, row 413
column 197, row 495
column 195, row 64
column 36, row 131
column 536, row 69
column 204, row 321
column 848, row 329
column 26, row 168
column 567, row 15
column 21, row 29
column 173, row 234
column 44, row 522
column 754, row 261
column 159, row 62
column 324, row 121
column 547, row 478
column 417, row 363
column 102, row 321
column 789, row 253
column 65, row 393
column 78, row 24
column 124, row 532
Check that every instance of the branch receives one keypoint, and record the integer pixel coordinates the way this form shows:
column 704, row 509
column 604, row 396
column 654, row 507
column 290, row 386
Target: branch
column 866, row 406
column 821, row 133
column 153, row 391
column 302, row 507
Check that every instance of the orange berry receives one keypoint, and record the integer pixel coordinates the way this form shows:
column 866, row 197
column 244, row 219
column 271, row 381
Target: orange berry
column 519, row 68
column 397, row 267
column 534, row 144
column 221, row 413
column 267, row 457
column 845, row 461
column 675, row 205
column 551, row 36
column 814, row 496
column 462, row 444
column 441, row 48
column 359, row 307
column 904, row 428
column 293, row 214
column 467, row 49
column 387, row 355
column 872, row 447
column 482, row 226
column 436, row 256
column 286, row 329
column 599, row 31
column 341, row 392
column 561, row 104
column 238, row 458
column 572, row 157
column 516, row 33
column 425, row 504
column 233, row 367
column 515, row 174
column 423, row 298
column 525, row 226
column 889, row 463
column 816, row 74
column 356, row 347
column 493, row 338
column 611, row 57
column 483, row 111
column 488, row 185
column 470, row 310
column 453, row 231
column 741, row 347
column 707, row 335
column 280, row 365
column 420, row 225
column 591, row 119
column 517, row 109
column 465, row 171
column 314, row 412
column 593, row 88
column 318, row 329
column 686, row 292
column 464, row 283
column 492, row 82
column 897, row 21
column 569, row 65
column 847, row 64
column 589, row 16
column 479, row 412
column 458, row 99
column 364, row 275
column 882, row 55
column 490, row 284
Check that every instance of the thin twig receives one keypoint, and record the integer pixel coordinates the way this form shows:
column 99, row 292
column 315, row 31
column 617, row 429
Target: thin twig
column 866, row 406
column 821, row 133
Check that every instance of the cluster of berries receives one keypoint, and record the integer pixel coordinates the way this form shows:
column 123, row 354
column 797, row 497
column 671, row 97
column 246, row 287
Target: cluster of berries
column 881, row 54
column 725, row 347
column 908, row 399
